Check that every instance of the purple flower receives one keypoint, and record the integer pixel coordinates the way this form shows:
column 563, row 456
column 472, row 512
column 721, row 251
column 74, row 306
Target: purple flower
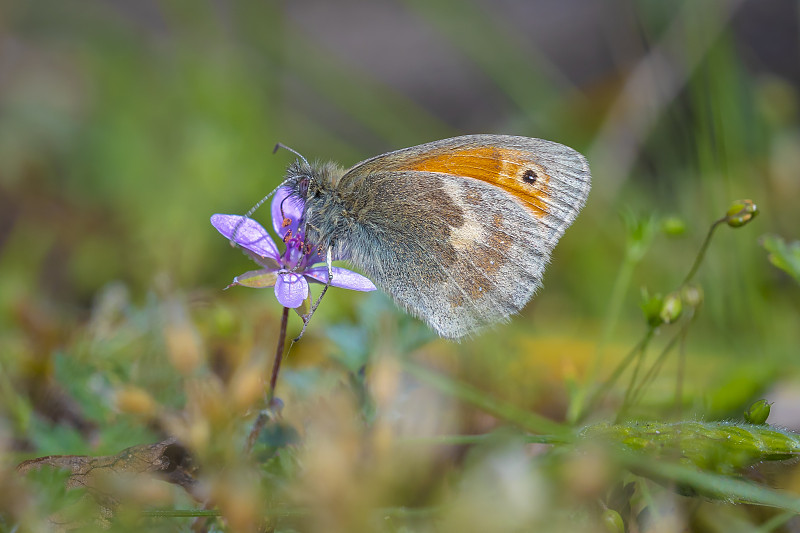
column 290, row 271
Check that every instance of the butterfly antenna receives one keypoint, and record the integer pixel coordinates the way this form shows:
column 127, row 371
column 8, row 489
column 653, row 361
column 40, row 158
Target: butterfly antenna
column 253, row 210
column 267, row 197
column 295, row 152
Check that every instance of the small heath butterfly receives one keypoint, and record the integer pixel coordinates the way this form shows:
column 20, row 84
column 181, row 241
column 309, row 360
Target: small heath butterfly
column 457, row 231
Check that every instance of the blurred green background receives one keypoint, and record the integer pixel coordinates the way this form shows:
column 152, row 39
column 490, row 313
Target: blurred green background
column 125, row 124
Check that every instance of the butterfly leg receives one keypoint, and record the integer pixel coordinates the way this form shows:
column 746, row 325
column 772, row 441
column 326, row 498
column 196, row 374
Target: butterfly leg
column 329, row 262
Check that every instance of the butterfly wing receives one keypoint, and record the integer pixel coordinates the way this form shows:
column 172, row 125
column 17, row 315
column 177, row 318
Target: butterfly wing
column 459, row 231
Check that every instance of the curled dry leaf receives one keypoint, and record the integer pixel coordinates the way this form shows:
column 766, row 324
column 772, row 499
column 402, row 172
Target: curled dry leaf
column 107, row 477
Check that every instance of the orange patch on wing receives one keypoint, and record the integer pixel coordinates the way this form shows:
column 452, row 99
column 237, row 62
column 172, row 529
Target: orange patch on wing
column 511, row 170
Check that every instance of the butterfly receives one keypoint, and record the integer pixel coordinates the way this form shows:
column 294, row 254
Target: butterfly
column 458, row 231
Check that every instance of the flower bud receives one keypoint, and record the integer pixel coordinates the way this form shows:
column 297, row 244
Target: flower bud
column 758, row 412
column 612, row 521
column 740, row 213
column 673, row 226
column 671, row 308
column 692, row 295
column 651, row 307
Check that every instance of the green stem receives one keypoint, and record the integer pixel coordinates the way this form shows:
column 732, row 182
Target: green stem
column 735, row 490
column 511, row 413
column 702, row 253
column 652, row 372
column 632, row 395
column 630, row 389
column 775, row 522
column 681, row 372
column 578, row 406
column 615, row 375
column 464, row 440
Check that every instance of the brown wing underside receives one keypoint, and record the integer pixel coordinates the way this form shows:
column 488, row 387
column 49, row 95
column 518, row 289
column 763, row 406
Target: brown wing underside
column 459, row 231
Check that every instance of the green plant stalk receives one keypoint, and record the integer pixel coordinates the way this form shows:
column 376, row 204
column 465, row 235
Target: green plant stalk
column 459, row 440
column 736, row 490
column 632, row 394
column 524, row 419
column 577, row 407
column 681, row 368
column 702, row 253
column 652, row 372
column 775, row 522
column 615, row 375
column 629, row 390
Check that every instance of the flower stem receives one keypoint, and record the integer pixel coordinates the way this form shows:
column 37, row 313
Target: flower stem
column 266, row 414
column 702, row 253
column 276, row 367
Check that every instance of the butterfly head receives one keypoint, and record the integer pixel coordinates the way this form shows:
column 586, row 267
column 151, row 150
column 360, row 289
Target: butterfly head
column 301, row 179
column 312, row 182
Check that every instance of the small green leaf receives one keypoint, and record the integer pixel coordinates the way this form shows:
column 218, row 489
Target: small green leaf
column 783, row 255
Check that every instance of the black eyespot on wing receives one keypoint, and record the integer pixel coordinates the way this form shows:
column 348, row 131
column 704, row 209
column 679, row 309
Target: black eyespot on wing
column 529, row 177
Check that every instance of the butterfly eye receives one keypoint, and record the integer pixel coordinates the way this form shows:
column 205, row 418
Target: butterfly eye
column 303, row 186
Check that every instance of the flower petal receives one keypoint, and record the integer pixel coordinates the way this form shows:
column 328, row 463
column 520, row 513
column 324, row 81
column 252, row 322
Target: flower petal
column 291, row 289
column 256, row 279
column 346, row 279
column 286, row 207
column 249, row 234
column 305, row 308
